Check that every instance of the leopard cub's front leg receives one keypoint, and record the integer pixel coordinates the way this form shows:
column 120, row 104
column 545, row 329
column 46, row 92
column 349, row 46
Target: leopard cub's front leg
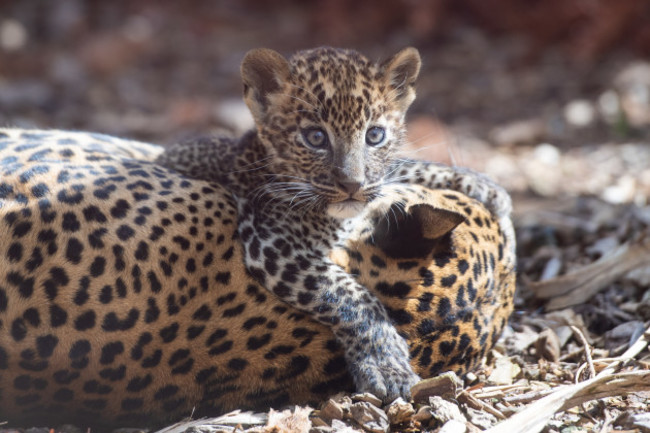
column 288, row 255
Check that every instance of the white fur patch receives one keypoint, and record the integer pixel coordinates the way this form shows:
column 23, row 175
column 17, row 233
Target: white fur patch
column 345, row 209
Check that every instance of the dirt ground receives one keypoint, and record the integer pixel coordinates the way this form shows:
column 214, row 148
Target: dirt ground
column 567, row 134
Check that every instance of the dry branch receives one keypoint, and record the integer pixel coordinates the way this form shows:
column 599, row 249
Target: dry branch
column 578, row 286
column 535, row 417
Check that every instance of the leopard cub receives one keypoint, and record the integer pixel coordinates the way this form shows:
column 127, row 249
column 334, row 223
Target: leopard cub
column 328, row 125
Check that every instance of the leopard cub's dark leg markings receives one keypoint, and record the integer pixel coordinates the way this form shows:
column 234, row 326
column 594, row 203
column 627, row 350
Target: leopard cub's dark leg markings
column 300, row 272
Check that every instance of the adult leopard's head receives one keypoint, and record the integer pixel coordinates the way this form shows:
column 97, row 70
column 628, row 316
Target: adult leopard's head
column 442, row 265
column 332, row 121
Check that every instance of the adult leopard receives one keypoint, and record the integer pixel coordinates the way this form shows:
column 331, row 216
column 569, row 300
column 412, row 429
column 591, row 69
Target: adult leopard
column 124, row 298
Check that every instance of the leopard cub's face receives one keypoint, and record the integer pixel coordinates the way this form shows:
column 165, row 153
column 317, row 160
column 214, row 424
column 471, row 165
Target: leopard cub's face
column 331, row 121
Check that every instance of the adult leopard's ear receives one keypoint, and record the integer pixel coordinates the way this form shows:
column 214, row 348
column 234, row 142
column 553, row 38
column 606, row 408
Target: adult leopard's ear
column 414, row 233
column 263, row 72
column 435, row 223
column 400, row 72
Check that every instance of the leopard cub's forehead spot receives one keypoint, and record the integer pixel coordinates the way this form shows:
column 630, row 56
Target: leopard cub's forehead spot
column 332, row 71
column 338, row 86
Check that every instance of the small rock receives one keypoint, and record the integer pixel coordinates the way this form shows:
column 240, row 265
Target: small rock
column 547, row 154
column 609, row 104
column 368, row 398
column 341, row 427
column 443, row 410
column 13, row 35
column 446, row 385
column 622, row 191
column 453, row 426
column 317, row 421
column 562, row 320
column 480, row 418
column 470, row 378
column 564, row 334
column 633, row 84
column 400, row 411
column 532, row 372
column 580, row 113
column 423, row 414
column 519, row 133
column 370, row 417
column 321, row 429
column 520, row 340
column 548, row 345
column 331, row 410
column 504, row 372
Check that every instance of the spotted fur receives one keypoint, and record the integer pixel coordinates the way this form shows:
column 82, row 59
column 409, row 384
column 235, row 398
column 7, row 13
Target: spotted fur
column 124, row 297
column 328, row 124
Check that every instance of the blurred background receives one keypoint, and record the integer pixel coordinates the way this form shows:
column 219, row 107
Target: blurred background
column 552, row 98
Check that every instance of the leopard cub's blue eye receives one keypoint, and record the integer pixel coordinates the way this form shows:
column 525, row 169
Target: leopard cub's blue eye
column 375, row 135
column 315, row 137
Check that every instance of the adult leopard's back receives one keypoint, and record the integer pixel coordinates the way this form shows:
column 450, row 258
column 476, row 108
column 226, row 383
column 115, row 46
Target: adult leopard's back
column 124, row 298
column 123, row 294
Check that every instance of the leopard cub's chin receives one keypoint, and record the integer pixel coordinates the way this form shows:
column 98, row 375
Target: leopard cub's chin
column 345, row 209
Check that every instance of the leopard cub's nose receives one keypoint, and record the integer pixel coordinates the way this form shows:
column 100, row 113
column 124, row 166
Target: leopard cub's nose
column 350, row 186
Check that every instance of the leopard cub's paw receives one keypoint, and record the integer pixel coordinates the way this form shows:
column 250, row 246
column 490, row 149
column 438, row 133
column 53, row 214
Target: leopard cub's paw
column 383, row 368
column 480, row 187
column 494, row 197
column 499, row 201
column 387, row 378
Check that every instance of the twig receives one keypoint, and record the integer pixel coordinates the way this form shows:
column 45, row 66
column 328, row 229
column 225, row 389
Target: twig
column 579, row 371
column 477, row 404
column 488, row 391
column 529, row 396
column 585, row 344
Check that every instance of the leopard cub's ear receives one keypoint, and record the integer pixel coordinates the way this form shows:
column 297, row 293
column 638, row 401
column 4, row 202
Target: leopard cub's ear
column 400, row 72
column 263, row 72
